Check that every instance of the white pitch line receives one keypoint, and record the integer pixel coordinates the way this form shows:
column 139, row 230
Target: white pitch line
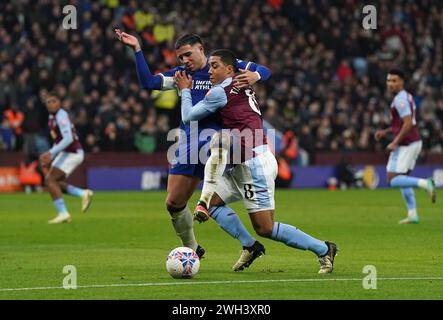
column 185, row 282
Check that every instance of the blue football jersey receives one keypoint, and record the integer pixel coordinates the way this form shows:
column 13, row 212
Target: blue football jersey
column 200, row 86
column 190, row 142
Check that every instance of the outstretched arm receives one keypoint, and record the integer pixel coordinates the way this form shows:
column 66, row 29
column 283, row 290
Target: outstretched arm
column 146, row 79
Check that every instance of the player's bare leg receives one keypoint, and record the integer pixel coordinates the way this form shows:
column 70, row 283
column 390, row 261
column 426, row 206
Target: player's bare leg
column 180, row 189
column 52, row 180
column 85, row 194
column 264, row 225
column 214, row 168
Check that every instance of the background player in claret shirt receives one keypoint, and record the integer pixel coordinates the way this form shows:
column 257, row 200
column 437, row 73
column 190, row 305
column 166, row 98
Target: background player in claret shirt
column 184, row 177
column 253, row 180
column 405, row 147
column 66, row 155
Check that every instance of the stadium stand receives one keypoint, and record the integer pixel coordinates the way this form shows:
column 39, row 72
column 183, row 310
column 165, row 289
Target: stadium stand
column 328, row 73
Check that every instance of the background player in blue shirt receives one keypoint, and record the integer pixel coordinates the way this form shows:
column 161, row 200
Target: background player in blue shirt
column 183, row 176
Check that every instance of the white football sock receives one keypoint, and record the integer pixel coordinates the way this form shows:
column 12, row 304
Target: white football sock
column 183, row 223
column 214, row 168
column 423, row 183
column 412, row 213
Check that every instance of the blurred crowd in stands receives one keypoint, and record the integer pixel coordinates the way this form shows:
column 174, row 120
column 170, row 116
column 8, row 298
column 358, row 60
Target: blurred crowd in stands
column 327, row 88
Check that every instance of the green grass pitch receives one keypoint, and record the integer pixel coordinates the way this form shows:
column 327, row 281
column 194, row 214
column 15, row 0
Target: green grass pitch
column 120, row 245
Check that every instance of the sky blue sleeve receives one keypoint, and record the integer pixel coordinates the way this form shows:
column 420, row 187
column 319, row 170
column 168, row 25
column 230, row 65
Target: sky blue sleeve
column 215, row 99
column 264, row 72
column 64, row 124
column 402, row 105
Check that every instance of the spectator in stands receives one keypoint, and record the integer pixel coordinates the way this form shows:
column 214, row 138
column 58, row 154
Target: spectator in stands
column 15, row 119
column 7, row 137
column 145, row 138
column 31, row 128
column 328, row 73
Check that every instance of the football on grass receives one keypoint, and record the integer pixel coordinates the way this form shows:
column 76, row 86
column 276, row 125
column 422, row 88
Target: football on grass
column 182, row 263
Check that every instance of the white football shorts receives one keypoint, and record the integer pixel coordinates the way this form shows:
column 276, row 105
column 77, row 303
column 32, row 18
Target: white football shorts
column 403, row 158
column 253, row 181
column 68, row 161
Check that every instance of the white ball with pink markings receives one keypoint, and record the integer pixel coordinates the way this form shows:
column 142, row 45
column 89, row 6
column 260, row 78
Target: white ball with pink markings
column 182, row 263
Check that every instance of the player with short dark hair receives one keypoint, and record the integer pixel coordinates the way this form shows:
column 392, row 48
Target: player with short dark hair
column 397, row 72
column 252, row 180
column 64, row 157
column 405, row 147
column 188, row 39
column 184, row 176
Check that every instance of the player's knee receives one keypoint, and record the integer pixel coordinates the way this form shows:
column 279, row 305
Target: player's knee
column 264, row 231
column 174, row 206
column 389, row 179
column 49, row 180
column 216, row 201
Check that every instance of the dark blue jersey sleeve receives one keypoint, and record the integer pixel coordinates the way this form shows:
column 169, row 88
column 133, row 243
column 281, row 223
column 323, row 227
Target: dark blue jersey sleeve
column 264, row 72
column 146, row 79
column 171, row 73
